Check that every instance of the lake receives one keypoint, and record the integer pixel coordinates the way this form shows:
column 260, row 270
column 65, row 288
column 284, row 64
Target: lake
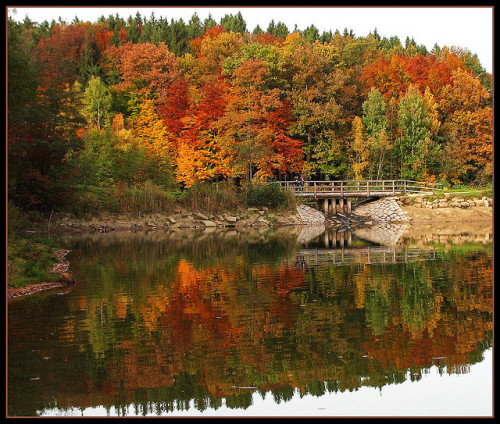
column 385, row 320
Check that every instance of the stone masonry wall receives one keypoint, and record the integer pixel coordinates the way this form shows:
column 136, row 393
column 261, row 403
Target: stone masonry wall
column 382, row 210
column 310, row 216
column 448, row 201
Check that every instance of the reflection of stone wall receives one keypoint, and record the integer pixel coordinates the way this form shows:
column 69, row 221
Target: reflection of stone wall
column 448, row 234
column 383, row 210
column 384, row 234
column 310, row 232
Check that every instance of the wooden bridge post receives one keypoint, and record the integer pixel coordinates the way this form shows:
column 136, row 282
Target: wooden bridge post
column 325, row 206
column 347, row 207
column 340, row 206
column 331, row 206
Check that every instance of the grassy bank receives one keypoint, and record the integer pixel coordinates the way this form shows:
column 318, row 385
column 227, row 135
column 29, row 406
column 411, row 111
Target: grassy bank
column 464, row 192
column 29, row 260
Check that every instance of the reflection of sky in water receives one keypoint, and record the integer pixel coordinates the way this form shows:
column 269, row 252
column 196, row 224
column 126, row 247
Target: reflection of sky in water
column 446, row 395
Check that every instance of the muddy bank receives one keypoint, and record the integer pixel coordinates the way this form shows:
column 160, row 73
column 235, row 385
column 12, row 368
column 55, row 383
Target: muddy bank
column 252, row 217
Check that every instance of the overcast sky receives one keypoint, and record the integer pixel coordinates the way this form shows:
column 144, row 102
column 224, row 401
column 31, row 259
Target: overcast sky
column 466, row 27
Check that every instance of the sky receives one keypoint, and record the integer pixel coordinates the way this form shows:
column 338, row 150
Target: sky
column 466, row 27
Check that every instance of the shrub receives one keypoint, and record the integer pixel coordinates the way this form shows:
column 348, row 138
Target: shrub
column 103, row 160
column 269, row 195
column 85, row 203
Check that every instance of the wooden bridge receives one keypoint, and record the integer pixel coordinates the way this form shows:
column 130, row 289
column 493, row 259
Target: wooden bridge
column 336, row 196
column 357, row 188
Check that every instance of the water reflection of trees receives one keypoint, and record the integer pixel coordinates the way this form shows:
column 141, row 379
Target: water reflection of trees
column 168, row 323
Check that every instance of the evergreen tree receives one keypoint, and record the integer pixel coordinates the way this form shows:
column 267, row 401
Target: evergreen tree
column 281, row 30
column 194, row 28
column 209, row 22
column 257, row 30
column 234, row 23
column 311, row 34
column 177, row 38
column 326, row 37
column 88, row 66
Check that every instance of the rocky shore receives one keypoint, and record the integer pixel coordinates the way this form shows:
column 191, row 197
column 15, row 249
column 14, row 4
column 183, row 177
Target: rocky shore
column 181, row 219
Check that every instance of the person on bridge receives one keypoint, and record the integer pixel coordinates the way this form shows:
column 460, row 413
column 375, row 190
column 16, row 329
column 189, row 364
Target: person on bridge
column 302, row 182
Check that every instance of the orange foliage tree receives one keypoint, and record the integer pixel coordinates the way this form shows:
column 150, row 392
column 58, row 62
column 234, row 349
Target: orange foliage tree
column 200, row 155
column 468, row 126
column 254, row 127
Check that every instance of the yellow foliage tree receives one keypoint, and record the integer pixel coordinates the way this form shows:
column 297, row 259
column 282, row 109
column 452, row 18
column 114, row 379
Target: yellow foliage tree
column 360, row 149
column 151, row 132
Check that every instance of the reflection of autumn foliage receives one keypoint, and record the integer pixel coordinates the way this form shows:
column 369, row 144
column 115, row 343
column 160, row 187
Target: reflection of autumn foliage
column 458, row 319
column 280, row 326
column 208, row 320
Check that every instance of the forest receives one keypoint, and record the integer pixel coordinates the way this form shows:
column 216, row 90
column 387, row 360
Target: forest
column 119, row 107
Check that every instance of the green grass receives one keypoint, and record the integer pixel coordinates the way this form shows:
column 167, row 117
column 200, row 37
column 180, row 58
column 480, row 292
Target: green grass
column 29, row 261
column 463, row 192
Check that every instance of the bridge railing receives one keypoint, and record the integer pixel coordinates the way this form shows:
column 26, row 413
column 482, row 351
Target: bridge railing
column 356, row 187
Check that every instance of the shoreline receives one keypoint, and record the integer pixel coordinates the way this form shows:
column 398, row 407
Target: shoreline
column 61, row 267
column 448, row 214
column 259, row 218
column 246, row 218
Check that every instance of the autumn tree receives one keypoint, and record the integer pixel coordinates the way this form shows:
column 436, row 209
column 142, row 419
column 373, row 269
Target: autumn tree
column 254, row 127
column 151, row 131
column 200, row 155
column 415, row 126
column 40, row 140
column 317, row 88
column 467, row 125
column 144, row 69
column 359, row 149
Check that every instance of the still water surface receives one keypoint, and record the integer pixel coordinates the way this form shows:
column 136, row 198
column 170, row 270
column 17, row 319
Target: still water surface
column 290, row 321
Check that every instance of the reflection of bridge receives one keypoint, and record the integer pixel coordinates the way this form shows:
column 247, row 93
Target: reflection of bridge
column 335, row 196
column 380, row 234
column 365, row 255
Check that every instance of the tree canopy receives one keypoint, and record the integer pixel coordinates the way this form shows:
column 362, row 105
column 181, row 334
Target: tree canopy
column 208, row 101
